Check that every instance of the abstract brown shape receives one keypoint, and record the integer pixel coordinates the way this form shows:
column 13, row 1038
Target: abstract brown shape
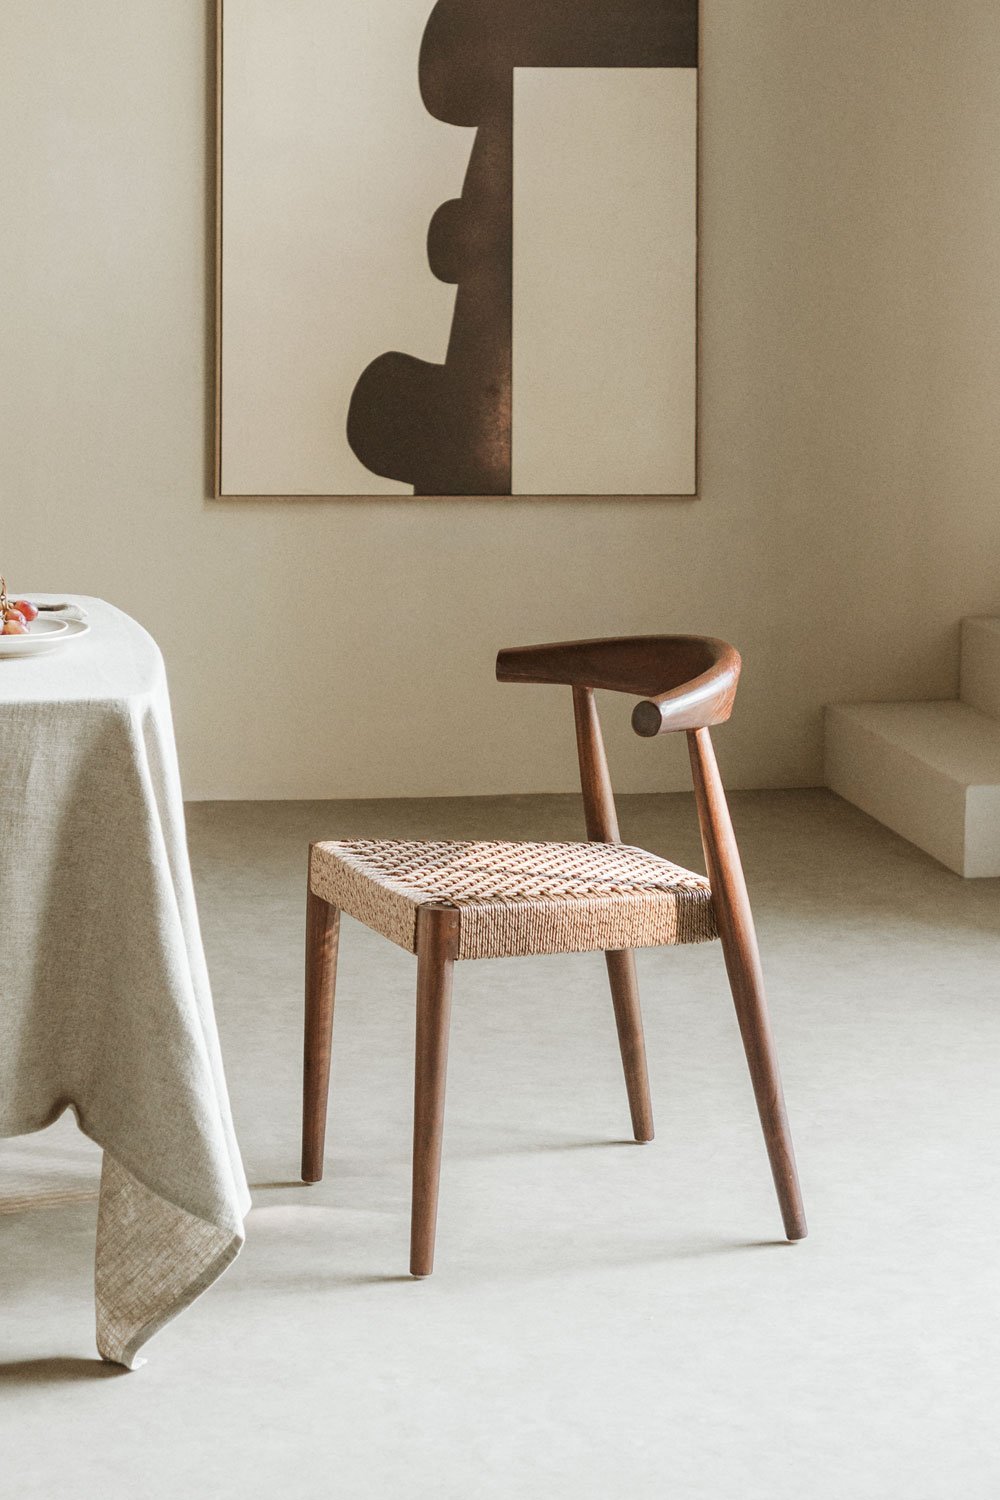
column 446, row 429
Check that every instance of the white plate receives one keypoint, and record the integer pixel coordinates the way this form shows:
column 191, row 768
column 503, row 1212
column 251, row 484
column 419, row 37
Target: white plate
column 43, row 635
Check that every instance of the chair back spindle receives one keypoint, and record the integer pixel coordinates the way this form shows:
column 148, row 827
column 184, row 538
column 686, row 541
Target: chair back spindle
column 595, row 780
column 686, row 682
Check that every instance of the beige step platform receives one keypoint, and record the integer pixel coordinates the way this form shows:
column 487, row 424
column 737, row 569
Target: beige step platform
column 929, row 771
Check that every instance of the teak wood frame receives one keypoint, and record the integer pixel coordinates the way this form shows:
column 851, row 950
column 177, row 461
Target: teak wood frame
column 687, row 683
column 217, row 491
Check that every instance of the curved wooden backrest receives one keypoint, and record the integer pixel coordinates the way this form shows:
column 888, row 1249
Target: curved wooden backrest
column 686, row 681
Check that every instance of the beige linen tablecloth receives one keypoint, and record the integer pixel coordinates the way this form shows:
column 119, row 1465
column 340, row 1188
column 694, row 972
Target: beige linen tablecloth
column 105, row 1006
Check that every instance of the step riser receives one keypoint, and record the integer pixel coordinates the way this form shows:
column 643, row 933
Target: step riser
column 890, row 784
column 930, row 771
column 982, row 831
column 980, row 674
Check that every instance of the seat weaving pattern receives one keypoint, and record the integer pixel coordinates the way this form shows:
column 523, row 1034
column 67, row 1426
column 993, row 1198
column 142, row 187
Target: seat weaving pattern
column 517, row 899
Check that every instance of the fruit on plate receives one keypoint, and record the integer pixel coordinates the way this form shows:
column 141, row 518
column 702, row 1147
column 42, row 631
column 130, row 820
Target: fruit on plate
column 15, row 618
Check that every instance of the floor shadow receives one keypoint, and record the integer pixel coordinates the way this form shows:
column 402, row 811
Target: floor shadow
column 764, row 1244
column 446, row 429
column 58, row 1370
column 621, row 1257
column 535, row 1148
column 696, row 1250
column 26, row 1202
column 304, row 1282
column 386, row 1280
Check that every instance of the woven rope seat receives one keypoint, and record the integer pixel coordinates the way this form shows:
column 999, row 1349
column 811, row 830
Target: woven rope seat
column 517, row 899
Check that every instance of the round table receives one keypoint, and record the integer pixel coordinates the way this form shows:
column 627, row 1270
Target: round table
column 105, row 1004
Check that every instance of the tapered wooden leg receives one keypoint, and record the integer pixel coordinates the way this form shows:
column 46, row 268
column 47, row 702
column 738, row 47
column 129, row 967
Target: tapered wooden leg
column 628, row 1019
column 322, row 935
column 602, row 827
column 437, row 943
column 739, row 946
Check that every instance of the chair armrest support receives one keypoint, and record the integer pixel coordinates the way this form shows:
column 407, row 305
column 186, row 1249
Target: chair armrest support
column 698, row 704
column 686, row 681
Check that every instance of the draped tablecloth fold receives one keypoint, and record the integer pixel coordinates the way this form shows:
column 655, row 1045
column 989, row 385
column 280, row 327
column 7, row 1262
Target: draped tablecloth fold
column 105, row 1004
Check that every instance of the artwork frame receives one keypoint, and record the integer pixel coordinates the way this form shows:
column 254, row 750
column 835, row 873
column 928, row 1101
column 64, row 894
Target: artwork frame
column 223, row 491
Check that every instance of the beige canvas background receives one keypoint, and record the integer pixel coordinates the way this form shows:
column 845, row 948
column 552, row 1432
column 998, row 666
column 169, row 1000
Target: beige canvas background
column 332, row 169
column 605, row 259
column 850, row 448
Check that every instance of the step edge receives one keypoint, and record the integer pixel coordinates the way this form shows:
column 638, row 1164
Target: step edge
column 852, row 712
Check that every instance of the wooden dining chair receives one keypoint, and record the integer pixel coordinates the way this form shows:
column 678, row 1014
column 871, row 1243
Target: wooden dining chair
column 459, row 900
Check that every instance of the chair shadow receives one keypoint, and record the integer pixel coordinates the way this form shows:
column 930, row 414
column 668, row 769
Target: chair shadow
column 576, row 1146
column 59, row 1369
column 521, row 1150
column 537, row 1148
column 297, row 1182
column 397, row 1277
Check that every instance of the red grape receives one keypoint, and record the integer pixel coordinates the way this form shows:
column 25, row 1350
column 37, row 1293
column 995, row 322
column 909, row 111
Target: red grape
column 28, row 610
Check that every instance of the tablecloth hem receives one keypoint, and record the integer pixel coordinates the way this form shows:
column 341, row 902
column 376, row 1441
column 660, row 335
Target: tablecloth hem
column 153, row 1260
column 127, row 1356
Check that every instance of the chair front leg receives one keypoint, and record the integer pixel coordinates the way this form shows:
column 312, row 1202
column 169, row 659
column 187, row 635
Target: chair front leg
column 628, row 1019
column 322, row 939
column 437, row 945
column 739, row 946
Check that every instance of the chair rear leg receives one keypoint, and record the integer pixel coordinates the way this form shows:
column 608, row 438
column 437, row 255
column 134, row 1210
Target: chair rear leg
column 747, row 985
column 628, row 1019
column 739, row 946
column 602, row 827
column 322, row 937
column 437, row 942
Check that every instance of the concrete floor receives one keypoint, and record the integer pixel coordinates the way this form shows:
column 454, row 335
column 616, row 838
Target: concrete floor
column 607, row 1322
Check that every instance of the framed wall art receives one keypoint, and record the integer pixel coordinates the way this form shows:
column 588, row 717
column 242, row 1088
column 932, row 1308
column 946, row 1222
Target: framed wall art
column 457, row 247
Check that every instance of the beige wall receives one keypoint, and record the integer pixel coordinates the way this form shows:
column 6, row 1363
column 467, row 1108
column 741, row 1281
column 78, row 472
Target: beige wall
column 850, row 427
